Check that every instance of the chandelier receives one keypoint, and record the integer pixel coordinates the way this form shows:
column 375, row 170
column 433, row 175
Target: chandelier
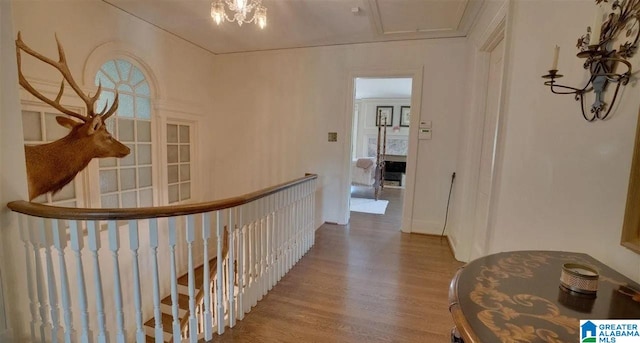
column 241, row 12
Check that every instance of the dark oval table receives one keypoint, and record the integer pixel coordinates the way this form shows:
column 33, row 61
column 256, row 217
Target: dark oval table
column 516, row 296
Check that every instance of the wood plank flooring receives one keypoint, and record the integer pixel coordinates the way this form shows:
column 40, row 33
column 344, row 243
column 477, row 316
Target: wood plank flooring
column 364, row 282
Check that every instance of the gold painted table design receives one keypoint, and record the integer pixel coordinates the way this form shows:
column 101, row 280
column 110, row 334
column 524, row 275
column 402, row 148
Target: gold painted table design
column 515, row 297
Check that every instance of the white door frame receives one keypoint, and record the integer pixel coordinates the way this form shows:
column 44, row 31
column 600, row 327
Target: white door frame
column 412, row 154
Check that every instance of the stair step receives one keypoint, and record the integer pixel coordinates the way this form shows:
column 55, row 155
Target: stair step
column 198, row 274
column 183, row 301
column 167, row 322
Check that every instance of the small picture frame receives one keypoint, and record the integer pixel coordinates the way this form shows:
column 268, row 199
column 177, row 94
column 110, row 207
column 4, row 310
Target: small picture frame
column 383, row 112
column 405, row 116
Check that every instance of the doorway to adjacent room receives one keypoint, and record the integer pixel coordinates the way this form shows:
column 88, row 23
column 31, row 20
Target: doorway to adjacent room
column 380, row 145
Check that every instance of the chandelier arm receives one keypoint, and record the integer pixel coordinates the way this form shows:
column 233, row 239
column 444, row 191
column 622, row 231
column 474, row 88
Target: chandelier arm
column 581, row 98
column 553, row 85
column 613, row 101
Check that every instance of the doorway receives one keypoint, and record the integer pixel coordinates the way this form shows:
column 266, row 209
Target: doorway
column 379, row 151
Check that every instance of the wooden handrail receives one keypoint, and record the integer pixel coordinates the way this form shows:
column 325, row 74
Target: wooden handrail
column 72, row 213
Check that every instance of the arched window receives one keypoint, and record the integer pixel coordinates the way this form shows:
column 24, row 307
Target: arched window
column 126, row 182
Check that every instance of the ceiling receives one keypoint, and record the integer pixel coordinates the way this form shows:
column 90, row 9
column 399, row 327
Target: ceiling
column 307, row 23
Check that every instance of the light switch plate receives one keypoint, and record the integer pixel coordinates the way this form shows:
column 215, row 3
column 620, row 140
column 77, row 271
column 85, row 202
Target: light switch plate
column 425, row 124
column 424, row 134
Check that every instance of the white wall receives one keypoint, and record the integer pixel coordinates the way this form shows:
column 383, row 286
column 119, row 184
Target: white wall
column 561, row 181
column 276, row 108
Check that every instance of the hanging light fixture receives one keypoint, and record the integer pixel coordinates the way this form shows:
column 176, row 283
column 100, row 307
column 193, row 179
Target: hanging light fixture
column 241, row 12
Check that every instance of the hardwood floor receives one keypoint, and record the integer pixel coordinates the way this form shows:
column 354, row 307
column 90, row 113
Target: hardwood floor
column 364, row 282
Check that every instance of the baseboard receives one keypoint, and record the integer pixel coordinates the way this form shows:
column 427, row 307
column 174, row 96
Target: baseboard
column 428, row 227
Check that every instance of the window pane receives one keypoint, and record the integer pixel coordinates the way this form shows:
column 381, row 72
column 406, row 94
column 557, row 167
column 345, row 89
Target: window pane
column 106, row 99
column 172, row 174
column 173, row 193
column 172, row 133
column 109, row 68
column 185, row 172
column 143, row 108
column 125, row 68
column 67, row 192
column 144, row 153
column 146, row 198
column 125, row 130
column 172, row 153
column 185, row 191
column 108, row 181
column 108, row 162
column 123, row 87
column 128, row 178
column 184, row 153
column 129, row 199
column 136, row 76
column 125, row 107
column 143, row 89
column 109, row 201
column 184, row 134
column 144, row 177
column 144, row 131
column 130, row 159
column 102, row 79
column 53, row 130
column 31, row 128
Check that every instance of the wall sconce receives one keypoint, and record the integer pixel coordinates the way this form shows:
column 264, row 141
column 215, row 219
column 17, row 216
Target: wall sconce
column 621, row 24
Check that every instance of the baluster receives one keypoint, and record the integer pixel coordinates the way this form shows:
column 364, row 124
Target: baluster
column 206, row 279
column 240, row 262
column 193, row 321
column 60, row 243
column 134, row 245
column 272, row 243
column 230, row 268
column 36, row 242
column 114, row 246
column 299, row 226
column 157, row 313
column 279, row 235
column 219, row 278
column 46, row 241
column 25, row 237
column 173, row 239
column 94, row 246
column 263, row 247
column 76, row 245
column 247, row 259
column 255, row 254
column 292, row 231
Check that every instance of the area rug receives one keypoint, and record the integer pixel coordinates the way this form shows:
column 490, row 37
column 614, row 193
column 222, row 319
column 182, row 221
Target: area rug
column 369, row 205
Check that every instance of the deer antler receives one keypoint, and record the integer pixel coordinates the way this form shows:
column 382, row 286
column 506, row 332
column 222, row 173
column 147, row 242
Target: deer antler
column 62, row 66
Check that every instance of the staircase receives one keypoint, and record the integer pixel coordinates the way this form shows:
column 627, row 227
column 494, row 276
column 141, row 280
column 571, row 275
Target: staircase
column 183, row 298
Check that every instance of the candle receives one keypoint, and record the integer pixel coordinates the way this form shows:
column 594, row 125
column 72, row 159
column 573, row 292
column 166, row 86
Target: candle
column 556, row 54
column 597, row 27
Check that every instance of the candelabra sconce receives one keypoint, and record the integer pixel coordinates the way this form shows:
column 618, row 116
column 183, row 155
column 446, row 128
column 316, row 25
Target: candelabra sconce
column 601, row 60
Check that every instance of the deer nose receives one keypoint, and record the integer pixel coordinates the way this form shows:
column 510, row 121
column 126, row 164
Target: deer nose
column 125, row 151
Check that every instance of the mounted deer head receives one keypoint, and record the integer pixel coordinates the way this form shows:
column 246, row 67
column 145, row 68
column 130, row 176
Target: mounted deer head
column 51, row 166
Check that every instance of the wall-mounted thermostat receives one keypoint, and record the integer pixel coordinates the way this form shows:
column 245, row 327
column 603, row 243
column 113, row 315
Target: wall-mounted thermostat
column 424, row 133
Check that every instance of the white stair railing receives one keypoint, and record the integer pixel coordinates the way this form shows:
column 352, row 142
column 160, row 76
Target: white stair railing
column 102, row 275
